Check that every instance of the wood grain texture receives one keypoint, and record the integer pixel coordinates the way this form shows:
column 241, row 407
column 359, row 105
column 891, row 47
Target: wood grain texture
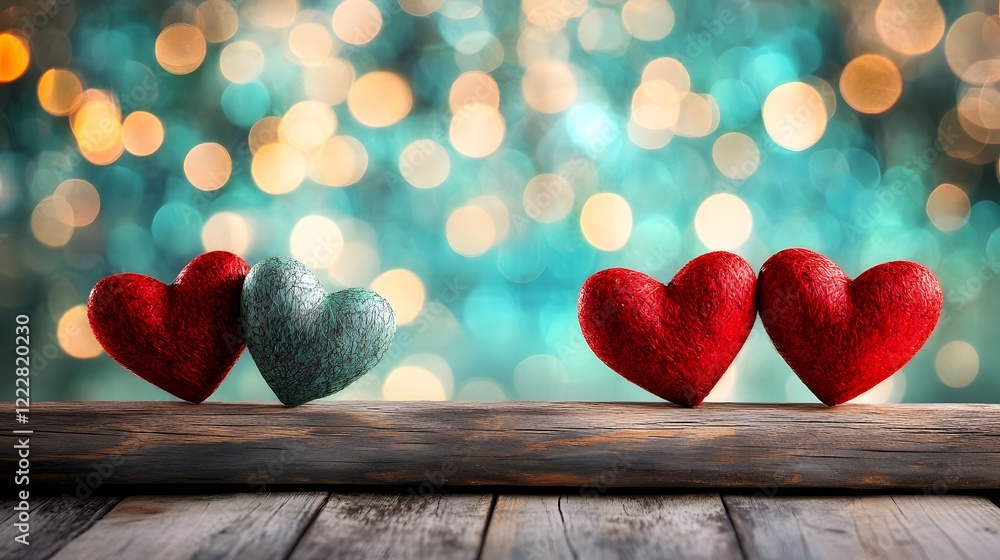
column 576, row 527
column 883, row 527
column 439, row 526
column 427, row 445
column 238, row 526
column 53, row 522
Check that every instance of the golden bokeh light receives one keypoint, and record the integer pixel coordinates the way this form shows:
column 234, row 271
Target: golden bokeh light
column 606, row 221
column 474, row 87
column 978, row 112
column 52, row 221
column 736, row 155
column 307, row 125
column 83, row 198
column 669, row 70
column 948, row 207
column 15, row 55
column 310, row 42
column 477, row 130
column 697, row 115
column 180, row 48
column 909, row 27
column 316, row 241
column 142, row 133
column 552, row 14
column 648, row 20
column 328, row 81
column 241, row 62
column 548, row 198
column 356, row 22
column 263, row 132
column 424, row 163
column 75, row 336
column 208, row 166
column 380, row 99
column 226, row 231
column 972, row 48
column 498, row 213
column 648, row 138
column 420, row 8
column 723, row 222
column 275, row 14
column 357, row 265
column 957, row 364
column 601, row 31
column 871, row 84
column 413, row 383
column 549, row 86
column 403, row 290
column 59, row 91
column 217, row 20
column 340, row 161
column 277, row 168
column 96, row 123
column 656, row 105
column 795, row 116
column 470, row 231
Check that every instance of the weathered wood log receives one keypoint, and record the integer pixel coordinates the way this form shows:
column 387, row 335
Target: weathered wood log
column 591, row 446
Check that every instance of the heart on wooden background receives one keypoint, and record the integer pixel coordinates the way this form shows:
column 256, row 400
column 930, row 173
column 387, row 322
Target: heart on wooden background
column 674, row 340
column 183, row 337
column 843, row 337
column 306, row 343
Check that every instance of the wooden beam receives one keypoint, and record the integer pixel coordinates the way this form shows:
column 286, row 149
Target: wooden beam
column 53, row 522
column 591, row 446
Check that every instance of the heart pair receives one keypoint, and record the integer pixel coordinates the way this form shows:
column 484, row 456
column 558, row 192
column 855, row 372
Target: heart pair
column 841, row 337
column 185, row 337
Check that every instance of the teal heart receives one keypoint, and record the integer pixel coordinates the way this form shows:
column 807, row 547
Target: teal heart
column 308, row 344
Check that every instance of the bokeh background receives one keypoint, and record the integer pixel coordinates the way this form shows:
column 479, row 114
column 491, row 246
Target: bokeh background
column 475, row 161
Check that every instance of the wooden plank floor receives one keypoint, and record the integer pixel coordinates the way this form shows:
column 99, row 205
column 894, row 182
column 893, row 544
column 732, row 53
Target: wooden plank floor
column 575, row 525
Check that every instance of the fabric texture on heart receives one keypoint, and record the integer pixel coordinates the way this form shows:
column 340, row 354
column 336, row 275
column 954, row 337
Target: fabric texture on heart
column 307, row 344
column 843, row 337
column 184, row 338
column 675, row 340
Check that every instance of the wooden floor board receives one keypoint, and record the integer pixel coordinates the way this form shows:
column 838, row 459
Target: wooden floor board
column 581, row 526
column 53, row 522
column 439, row 526
column 877, row 527
column 206, row 527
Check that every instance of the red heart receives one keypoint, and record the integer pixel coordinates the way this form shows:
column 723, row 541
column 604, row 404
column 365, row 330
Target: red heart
column 184, row 338
column 673, row 340
column 843, row 337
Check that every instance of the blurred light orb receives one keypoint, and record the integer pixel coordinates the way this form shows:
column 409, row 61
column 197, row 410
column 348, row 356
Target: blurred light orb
column 328, row 81
column 83, row 198
column 340, row 161
column 948, row 207
column 357, row 22
column 474, row 87
column 357, row 265
column 909, row 27
column 226, row 231
column 96, row 123
column 277, row 168
column 481, row 389
column 736, row 155
column 380, row 99
column 263, row 132
column 15, row 54
column 648, row 138
column 795, row 116
column 656, row 105
column 972, row 48
column 470, row 231
column 548, row 198
column 669, row 70
column 424, row 163
column 217, row 20
column 477, row 130
column 413, row 383
column 180, row 48
column 648, row 20
column 871, row 84
column 275, row 14
column 498, row 213
column 549, row 86
column 310, row 42
column 697, row 116
column 59, row 91
column 52, row 221
column 75, row 336
column 420, row 8
column 142, row 133
column 241, row 62
column 403, row 290
column 208, row 166
column 723, row 222
column 316, row 241
column 307, row 125
column 601, row 30
column 957, row 364
column 606, row 221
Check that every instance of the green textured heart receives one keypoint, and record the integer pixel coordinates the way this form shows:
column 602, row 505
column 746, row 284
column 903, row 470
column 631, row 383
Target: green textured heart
column 308, row 344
